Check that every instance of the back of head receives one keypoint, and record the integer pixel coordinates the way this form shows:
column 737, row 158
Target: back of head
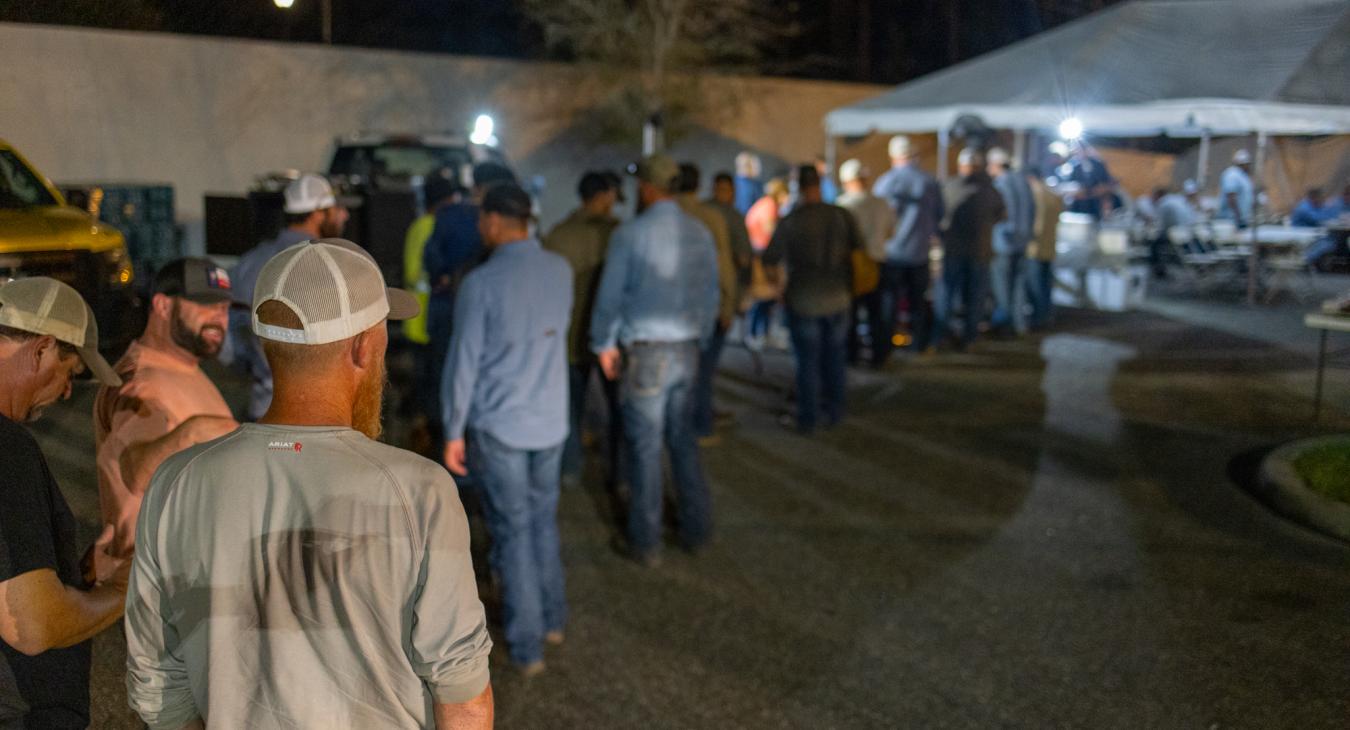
column 999, row 157
column 689, row 178
column 509, row 201
column 808, row 178
column 970, row 159
column 776, row 188
column 724, row 178
column 437, row 188
column 899, row 147
column 852, row 171
column 592, row 184
column 487, row 174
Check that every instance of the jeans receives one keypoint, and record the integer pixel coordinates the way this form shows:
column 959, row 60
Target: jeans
column 819, row 344
column 907, row 282
column 519, row 489
column 1006, row 278
column 703, row 384
column 1040, row 286
column 761, row 317
column 579, row 380
column 657, row 394
column 870, row 303
column 963, row 280
column 440, row 322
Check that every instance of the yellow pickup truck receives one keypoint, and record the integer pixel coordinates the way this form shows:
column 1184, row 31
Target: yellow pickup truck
column 42, row 236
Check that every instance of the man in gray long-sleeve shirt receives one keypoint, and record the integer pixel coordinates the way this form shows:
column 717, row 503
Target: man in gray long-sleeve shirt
column 505, row 382
column 1011, row 238
column 917, row 201
column 296, row 572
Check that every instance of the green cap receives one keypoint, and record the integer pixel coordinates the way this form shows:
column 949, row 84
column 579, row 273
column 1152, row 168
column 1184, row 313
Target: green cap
column 658, row 170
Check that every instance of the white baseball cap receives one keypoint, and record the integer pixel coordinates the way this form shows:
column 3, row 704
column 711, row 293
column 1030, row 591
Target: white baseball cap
column 334, row 287
column 45, row 306
column 852, row 170
column 999, row 156
column 1242, row 157
column 1190, row 188
column 899, row 146
column 309, row 193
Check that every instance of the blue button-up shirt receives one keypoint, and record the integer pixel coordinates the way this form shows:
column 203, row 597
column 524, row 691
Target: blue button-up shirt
column 454, row 243
column 917, row 201
column 1012, row 235
column 506, row 372
column 245, row 275
column 748, row 192
column 660, row 281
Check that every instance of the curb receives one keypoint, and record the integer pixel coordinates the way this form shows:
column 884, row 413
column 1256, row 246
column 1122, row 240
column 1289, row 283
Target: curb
column 1281, row 485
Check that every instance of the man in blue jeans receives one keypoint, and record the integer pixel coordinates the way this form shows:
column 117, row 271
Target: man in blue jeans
column 816, row 242
column 973, row 208
column 658, row 300
column 505, row 382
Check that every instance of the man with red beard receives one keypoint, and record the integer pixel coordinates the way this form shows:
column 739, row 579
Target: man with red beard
column 297, row 572
column 166, row 402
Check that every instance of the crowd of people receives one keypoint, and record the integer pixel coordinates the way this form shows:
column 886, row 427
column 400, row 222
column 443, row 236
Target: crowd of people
column 289, row 569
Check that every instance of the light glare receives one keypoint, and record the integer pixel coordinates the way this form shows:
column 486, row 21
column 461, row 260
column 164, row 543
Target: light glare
column 483, row 128
column 1071, row 129
column 283, row 4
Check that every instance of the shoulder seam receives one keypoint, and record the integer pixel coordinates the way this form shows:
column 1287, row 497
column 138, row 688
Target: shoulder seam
column 402, row 493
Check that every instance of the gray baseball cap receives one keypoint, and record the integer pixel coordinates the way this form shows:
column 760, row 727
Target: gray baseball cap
column 45, row 306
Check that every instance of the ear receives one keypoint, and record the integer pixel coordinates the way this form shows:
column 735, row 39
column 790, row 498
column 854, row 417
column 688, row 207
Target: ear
column 38, row 349
column 162, row 305
column 363, row 349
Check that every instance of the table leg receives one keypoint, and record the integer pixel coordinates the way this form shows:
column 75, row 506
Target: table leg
column 1317, row 394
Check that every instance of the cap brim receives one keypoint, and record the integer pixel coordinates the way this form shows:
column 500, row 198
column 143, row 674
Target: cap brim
column 402, row 304
column 100, row 368
column 209, row 297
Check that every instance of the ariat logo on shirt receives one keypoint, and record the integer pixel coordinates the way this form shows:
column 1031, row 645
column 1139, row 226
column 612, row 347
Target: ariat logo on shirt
column 284, row 446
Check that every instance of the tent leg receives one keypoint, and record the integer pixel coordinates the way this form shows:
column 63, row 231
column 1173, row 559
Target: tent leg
column 830, row 154
column 1020, row 149
column 942, row 155
column 1258, row 185
column 1202, row 166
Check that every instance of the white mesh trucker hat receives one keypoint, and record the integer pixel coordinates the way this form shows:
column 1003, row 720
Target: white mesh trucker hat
column 334, row 287
column 307, row 194
column 45, row 306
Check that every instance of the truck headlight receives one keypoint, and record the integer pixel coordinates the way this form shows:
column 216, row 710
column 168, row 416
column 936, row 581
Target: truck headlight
column 118, row 262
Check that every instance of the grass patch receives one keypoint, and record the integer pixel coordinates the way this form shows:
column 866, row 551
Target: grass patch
column 1326, row 470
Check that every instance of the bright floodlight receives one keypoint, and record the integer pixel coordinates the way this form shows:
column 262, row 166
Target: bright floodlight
column 483, row 127
column 1071, row 129
column 284, row 3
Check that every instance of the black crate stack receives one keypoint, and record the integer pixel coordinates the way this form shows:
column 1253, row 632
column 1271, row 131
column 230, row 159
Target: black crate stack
column 144, row 214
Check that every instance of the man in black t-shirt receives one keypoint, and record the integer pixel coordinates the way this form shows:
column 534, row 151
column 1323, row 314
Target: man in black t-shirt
column 48, row 609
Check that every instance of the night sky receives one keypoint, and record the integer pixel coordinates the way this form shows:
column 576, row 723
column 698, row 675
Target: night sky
column 879, row 41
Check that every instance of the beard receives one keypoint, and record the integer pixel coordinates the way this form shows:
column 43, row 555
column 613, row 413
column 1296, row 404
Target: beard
column 368, row 408
column 195, row 342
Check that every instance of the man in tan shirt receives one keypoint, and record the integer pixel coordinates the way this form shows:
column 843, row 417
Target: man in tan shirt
column 166, row 402
column 715, row 222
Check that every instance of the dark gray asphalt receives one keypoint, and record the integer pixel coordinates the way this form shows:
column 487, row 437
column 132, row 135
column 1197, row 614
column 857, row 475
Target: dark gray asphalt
column 1043, row 533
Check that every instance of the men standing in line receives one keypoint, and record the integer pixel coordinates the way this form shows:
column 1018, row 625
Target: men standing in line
column 582, row 239
column 49, row 610
column 816, row 242
column 438, row 192
column 454, row 248
column 297, row 572
column 1011, row 237
column 505, row 397
column 749, row 187
column 166, row 403
column 876, row 221
column 312, row 211
column 687, row 197
column 918, row 205
column 1040, row 278
column 973, row 207
column 658, row 299
column 1236, row 192
column 724, row 201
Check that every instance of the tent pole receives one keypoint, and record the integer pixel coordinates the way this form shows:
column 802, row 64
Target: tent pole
column 1258, row 185
column 830, row 154
column 942, row 155
column 1020, row 149
column 1202, row 171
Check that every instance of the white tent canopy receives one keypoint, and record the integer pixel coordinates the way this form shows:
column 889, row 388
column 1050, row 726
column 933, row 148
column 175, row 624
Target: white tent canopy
column 1185, row 68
